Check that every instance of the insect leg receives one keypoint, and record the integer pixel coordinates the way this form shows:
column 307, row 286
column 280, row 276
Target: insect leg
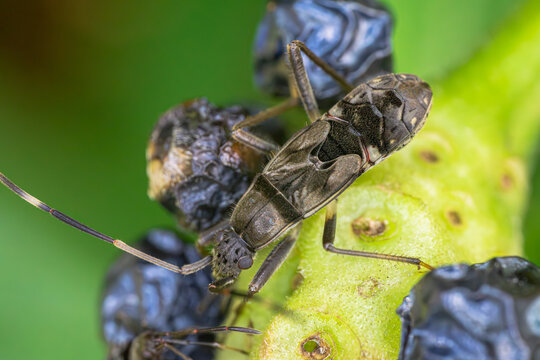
column 268, row 113
column 269, row 266
column 301, row 82
column 253, row 141
column 323, row 65
column 178, row 338
column 300, row 87
column 329, row 234
column 183, row 333
column 217, row 285
column 177, row 352
column 184, row 270
column 273, row 261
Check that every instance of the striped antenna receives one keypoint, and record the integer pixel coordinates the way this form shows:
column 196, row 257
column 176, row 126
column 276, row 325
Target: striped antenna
column 184, row 270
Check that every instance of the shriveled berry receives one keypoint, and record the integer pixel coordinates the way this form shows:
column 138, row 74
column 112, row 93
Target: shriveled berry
column 196, row 170
column 483, row 311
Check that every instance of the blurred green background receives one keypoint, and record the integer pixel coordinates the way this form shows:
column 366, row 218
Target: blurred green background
column 81, row 85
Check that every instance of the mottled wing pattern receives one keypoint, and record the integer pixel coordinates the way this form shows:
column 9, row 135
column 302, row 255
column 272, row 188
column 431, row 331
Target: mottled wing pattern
column 302, row 178
column 411, row 91
column 388, row 111
column 320, row 161
column 264, row 211
column 293, row 186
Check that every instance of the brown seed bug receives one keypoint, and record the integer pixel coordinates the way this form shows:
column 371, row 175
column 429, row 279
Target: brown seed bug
column 371, row 122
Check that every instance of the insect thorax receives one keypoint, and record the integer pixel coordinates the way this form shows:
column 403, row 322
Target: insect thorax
column 230, row 250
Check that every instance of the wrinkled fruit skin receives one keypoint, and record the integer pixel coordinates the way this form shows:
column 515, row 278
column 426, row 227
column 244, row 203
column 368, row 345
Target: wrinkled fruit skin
column 484, row 311
column 196, row 170
column 354, row 37
column 140, row 296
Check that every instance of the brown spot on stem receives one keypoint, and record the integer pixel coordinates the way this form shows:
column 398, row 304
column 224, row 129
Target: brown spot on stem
column 297, row 280
column 429, row 156
column 506, row 181
column 368, row 288
column 368, row 227
column 315, row 347
column 454, row 218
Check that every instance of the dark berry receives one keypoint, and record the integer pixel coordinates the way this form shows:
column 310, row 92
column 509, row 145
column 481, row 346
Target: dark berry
column 484, row 311
column 352, row 36
column 196, row 170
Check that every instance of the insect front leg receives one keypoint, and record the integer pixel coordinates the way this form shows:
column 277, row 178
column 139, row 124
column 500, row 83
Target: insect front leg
column 273, row 261
column 329, row 234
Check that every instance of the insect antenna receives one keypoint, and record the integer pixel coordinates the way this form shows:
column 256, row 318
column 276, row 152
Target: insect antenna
column 168, row 338
column 184, row 270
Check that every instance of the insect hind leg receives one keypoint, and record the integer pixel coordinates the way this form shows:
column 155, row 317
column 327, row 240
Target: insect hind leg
column 329, row 235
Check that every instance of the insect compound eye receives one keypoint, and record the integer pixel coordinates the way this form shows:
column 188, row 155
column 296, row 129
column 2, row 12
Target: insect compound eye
column 245, row 262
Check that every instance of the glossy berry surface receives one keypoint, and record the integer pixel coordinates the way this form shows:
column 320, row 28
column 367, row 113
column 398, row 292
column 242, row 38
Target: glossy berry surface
column 140, row 296
column 484, row 311
column 352, row 36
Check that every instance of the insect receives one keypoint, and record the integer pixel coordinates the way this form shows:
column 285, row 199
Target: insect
column 370, row 123
column 141, row 299
column 319, row 162
column 159, row 345
column 352, row 36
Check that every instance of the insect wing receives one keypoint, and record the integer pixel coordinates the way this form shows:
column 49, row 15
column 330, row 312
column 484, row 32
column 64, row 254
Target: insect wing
column 264, row 211
column 303, row 179
column 291, row 161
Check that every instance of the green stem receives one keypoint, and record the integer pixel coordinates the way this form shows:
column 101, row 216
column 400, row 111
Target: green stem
column 456, row 193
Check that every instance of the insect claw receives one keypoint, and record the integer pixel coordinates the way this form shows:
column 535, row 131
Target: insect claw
column 425, row 265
